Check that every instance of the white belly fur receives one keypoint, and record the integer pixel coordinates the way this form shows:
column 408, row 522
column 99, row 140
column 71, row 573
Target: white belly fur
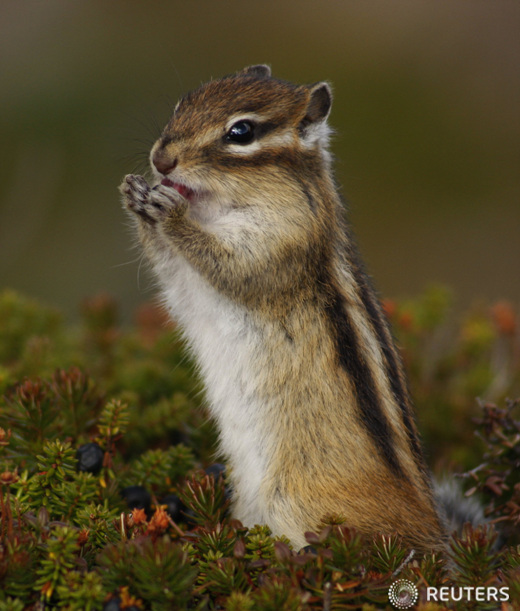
column 224, row 341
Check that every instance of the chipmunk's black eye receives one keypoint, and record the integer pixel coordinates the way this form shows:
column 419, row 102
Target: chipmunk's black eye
column 242, row 132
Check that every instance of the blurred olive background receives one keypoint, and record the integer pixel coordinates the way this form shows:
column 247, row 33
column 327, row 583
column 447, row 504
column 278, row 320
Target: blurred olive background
column 426, row 113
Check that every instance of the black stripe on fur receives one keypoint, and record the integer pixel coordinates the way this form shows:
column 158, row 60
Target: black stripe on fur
column 351, row 359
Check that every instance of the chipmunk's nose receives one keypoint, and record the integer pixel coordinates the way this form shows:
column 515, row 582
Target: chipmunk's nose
column 163, row 162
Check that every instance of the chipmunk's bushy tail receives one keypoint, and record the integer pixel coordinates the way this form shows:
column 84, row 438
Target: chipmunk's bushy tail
column 456, row 508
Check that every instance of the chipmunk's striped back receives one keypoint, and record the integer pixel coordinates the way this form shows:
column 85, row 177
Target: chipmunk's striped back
column 245, row 230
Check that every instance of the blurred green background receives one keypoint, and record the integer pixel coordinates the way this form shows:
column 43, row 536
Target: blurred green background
column 426, row 113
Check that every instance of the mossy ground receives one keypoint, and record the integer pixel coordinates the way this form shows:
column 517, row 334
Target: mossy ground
column 69, row 540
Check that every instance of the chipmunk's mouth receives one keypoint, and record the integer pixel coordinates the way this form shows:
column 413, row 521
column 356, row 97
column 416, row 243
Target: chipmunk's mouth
column 185, row 191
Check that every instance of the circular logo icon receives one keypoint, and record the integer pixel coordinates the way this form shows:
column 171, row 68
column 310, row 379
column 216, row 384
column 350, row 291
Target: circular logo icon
column 403, row 594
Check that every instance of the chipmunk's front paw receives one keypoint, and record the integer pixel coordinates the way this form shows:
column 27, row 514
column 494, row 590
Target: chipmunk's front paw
column 137, row 197
column 152, row 205
column 169, row 201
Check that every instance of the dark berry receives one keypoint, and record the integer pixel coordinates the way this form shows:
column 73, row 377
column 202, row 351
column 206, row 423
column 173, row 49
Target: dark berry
column 177, row 436
column 90, row 458
column 218, row 470
column 174, row 507
column 137, row 497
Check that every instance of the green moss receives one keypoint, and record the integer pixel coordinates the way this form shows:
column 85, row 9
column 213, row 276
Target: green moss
column 68, row 540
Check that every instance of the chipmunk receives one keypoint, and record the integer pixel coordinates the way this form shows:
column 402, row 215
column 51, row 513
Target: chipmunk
column 245, row 229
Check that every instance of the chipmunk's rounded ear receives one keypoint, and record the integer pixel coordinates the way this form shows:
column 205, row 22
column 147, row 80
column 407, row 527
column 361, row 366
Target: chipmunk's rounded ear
column 313, row 127
column 319, row 105
column 260, row 71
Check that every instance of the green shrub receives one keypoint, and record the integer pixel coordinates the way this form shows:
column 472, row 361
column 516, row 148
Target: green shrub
column 92, row 411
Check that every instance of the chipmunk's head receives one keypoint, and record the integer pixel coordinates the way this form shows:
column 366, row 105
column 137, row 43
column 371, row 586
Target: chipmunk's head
column 243, row 132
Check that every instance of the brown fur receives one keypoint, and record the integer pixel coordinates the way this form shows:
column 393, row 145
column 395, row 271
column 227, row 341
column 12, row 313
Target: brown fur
column 335, row 425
